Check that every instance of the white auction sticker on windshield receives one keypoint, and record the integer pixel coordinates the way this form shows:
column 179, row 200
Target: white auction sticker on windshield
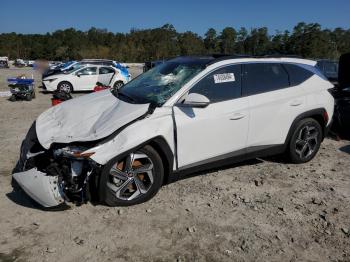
column 223, row 78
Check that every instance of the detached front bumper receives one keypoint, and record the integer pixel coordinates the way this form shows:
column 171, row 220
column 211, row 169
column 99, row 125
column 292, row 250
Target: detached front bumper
column 40, row 187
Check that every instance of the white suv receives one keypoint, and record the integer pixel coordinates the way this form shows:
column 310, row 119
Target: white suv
column 184, row 115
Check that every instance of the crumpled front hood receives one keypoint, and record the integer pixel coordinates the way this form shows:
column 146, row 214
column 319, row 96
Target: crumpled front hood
column 86, row 118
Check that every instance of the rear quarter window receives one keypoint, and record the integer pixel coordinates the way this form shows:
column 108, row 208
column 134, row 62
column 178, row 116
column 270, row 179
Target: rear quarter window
column 297, row 74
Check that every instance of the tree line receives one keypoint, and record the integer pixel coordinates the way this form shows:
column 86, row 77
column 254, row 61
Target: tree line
column 305, row 40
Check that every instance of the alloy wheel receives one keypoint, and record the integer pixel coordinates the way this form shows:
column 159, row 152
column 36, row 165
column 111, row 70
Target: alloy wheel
column 307, row 141
column 131, row 177
column 65, row 87
column 118, row 85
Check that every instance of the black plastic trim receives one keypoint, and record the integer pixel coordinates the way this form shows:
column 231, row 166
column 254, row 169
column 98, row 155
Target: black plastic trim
column 231, row 158
column 175, row 137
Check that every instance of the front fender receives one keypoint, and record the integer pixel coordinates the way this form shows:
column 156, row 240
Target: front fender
column 136, row 135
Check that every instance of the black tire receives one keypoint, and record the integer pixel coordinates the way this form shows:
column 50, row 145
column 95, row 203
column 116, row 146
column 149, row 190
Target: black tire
column 305, row 141
column 118, row 85
column 65, row 86
column 12, row 98
column 108, row 196
column 28, row 97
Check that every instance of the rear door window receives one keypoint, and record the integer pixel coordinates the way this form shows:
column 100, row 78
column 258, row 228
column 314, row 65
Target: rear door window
column 264, row 77
column 221, row 85
column 105, row 70
column 88, row 71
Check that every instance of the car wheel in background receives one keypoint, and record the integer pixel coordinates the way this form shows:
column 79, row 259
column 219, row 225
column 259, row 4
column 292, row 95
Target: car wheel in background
column 12, row 98
column 118, row 84
column 134, row 179
column 65, row 87
column 305, row 141
column 28, row 97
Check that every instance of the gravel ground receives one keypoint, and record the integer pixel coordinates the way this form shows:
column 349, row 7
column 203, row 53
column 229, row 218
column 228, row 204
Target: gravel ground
column 260, row 210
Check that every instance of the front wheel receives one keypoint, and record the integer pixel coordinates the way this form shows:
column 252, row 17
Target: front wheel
column 133, row 179
column 305, row 141
column 12, row 98
column 65, row 87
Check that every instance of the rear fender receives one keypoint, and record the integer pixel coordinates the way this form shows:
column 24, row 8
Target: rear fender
column 317, row 114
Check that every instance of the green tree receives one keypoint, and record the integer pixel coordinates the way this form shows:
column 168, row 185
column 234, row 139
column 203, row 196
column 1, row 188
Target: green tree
column 191, row 44
column 228, row 39
column 211, row 42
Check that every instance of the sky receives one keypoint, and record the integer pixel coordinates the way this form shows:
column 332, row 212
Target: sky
column 38, row 16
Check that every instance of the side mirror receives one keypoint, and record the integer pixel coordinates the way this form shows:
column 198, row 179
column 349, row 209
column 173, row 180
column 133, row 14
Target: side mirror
column 196, row 100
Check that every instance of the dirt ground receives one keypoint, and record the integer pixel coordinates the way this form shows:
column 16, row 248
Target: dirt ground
column 260, row 210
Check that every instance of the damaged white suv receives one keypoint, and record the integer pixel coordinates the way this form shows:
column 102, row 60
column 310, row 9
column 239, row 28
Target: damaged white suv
column 184, row 115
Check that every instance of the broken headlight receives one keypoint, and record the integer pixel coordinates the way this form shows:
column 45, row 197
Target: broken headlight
column 75, row 152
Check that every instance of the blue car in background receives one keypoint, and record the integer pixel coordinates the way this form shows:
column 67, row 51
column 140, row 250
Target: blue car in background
column 58, row 69
column 123, row 70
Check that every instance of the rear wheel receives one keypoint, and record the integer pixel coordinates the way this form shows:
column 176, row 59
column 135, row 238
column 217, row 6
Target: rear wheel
column 65, row 87
column 305, row 141
column 118, row 84
column 133, row 179
column 28, row 97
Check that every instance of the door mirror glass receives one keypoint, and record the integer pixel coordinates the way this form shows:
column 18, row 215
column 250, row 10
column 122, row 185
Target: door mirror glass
column 196, row 100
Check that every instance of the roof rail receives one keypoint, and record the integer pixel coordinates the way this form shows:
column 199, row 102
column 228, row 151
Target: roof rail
column 280, row 56
column 221, row 57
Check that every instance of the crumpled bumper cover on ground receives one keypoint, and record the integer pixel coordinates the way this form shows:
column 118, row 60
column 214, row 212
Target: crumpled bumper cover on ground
column 40, row 187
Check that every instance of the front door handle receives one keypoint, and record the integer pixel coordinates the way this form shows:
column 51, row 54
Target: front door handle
column 237, row 116
column 296, row 103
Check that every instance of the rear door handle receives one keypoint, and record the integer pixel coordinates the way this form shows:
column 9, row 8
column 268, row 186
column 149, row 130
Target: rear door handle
column 296, row 103
column 237, row 116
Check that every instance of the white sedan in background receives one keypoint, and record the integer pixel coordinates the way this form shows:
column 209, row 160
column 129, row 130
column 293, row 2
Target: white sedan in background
column 85, row 79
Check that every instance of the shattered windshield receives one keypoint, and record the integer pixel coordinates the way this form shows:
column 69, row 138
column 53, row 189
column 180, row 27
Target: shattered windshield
column 157, row 85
